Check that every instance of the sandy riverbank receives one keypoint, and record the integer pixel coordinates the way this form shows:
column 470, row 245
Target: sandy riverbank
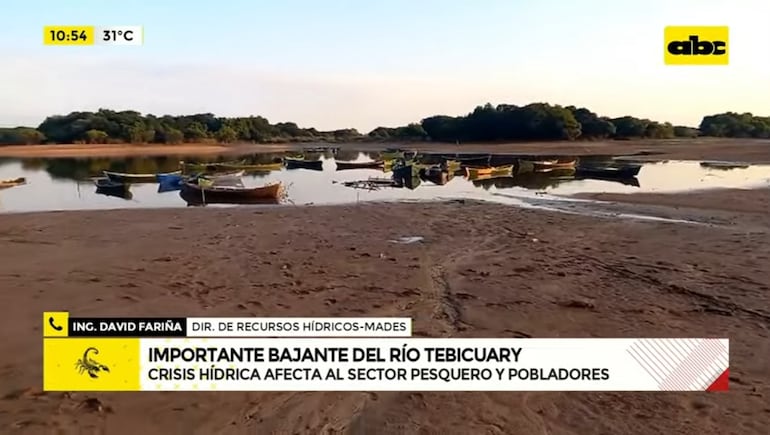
column 482, row 271
column 737, row 201
column 757, row 151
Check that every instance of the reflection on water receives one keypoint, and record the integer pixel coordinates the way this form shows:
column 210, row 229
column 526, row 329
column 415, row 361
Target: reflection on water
column 65, row 184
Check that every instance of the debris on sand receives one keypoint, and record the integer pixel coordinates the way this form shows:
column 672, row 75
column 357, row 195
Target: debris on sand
column 93, row 404
column 577, row 303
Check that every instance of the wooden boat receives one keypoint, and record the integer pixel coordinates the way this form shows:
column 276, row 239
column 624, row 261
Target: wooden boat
column 196, row 199
column 478, row 161
column 391, row 154
column 629, row 181
column 499, row 171
column 477, row 172
column 214, row 168
column 725, row 166
column 260, row 167
column 214, row 193
column 227, row 163
column 314, row 165
column 170, row 178
column 624, row 171
column 320, row 149
column 452, row 165
column 224, row 175
column 473, row 172
column 410, row 183
column 222, row 180
column 530, row 180
column 436, row 174
column 550, row 165
column 170, row 182
column 120, row 177
column 407, row 175
column 107, row 187
column 371, row 183
column 389, row 165
column 12, row 183
column 341, row 166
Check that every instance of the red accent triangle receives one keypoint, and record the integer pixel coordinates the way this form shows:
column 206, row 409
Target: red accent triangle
column 721, row 383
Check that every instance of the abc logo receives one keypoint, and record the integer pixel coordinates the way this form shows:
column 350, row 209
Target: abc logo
column 696, row 45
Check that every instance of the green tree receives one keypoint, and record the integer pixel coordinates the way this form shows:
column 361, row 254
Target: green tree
column 681, row 131
column 21, row 136
column 226, row 135
column 630, row 127
column 195, row 131
column 171, row 135
column 96, row 136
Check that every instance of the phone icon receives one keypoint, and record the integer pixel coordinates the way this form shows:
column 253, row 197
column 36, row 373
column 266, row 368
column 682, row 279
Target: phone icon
column 53, row 325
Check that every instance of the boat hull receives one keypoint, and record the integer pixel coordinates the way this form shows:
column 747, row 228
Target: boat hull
column 216, row 168
column 228, row 194
column 609, row 172
column 499, row 171
column 107, row 187
column 314, row 165
column 552, row 165
column 119, row 177
column 341, row 166
column 12, row 183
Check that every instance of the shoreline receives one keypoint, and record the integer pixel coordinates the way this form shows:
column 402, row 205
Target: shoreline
column 529, row 273
column 744, row 150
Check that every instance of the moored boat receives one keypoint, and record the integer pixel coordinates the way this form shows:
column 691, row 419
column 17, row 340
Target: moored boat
column 620, row 171
column 107, row 183
column 452, row 165
column 500, row 171
column 121, row 177
column 376, row 164
column 320, row 149
column 222, row 180
column 107, row 187
column 472, row 160
column 214, row 168
column 391, row 154
column 436, row 174
column 725, row 166
column 212, row 192
column 13, row 182
column 553, row 164
column 170, row 182
column 315, row 165
column 475, row 172
column 228, row 174
column 260, row 167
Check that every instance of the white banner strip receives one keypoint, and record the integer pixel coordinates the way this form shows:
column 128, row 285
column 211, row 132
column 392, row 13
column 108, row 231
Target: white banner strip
column 299, row 327
column 426, row 364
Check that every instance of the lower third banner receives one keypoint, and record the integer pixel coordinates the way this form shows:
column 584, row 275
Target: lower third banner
column 389, row 364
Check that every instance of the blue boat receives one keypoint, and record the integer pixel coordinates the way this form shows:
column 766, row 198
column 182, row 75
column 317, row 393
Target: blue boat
column 169, row 182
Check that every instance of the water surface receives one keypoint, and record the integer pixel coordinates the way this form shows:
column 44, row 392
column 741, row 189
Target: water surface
column 65, row 184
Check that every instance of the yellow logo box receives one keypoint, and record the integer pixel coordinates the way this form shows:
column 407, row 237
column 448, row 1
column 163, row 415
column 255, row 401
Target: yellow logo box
column 91, row 364
column 696, row 45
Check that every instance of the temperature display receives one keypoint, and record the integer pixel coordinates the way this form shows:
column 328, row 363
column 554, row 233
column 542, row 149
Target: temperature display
column 120, row 35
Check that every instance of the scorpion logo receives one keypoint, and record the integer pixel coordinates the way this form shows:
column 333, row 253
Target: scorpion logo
column 89, row 365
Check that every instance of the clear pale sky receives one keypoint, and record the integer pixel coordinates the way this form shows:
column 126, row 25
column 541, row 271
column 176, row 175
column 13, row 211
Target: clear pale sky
column 334, row 64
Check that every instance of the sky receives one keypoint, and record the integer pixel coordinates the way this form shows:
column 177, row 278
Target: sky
column 337, row 64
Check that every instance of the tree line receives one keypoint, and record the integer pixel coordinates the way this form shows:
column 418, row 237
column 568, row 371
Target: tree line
column 505, row 122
